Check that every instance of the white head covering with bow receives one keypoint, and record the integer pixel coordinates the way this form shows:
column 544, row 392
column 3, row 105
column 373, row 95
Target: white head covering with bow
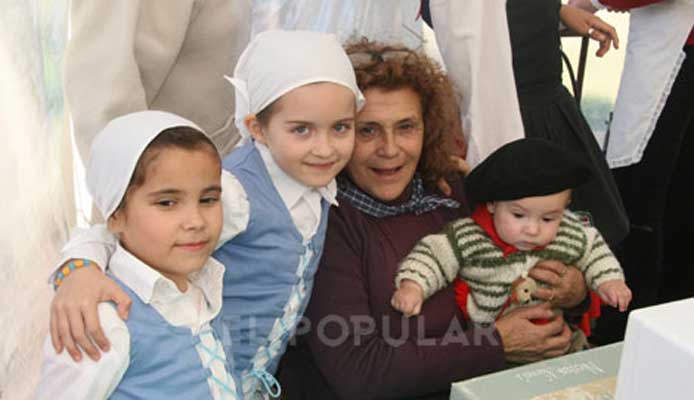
column 116, row 150
column 276, row 62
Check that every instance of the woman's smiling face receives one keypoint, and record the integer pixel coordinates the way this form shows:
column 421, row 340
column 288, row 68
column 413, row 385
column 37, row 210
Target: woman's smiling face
column 389, row 140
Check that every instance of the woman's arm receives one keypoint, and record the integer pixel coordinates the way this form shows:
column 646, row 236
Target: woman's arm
column 356, row 350
column 368, row 354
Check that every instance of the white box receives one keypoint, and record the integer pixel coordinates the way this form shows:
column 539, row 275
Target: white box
column 658, row 353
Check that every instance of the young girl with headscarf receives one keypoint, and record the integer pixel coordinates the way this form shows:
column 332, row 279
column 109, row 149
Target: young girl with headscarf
column 296, row 99
column 156, row 178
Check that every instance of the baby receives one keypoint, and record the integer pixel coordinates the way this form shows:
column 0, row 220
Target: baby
column 521, row 191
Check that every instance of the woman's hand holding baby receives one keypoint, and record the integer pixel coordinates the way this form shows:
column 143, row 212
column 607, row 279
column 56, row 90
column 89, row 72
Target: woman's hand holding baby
column 525, row 342
column 74, row 320
column 408, row 298
column 567, row 287
column 615, row 293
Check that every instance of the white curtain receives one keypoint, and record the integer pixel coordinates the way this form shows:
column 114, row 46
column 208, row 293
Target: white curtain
column 383, row 20
column 35, row 181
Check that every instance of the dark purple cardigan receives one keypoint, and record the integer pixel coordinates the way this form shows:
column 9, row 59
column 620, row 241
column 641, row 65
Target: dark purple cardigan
column 384, row 356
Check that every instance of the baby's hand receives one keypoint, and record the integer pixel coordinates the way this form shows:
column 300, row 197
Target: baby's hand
column 615, row 293
column 408, row 299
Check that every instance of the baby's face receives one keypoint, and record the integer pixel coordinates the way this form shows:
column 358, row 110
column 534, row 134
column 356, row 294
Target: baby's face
column 531, row 221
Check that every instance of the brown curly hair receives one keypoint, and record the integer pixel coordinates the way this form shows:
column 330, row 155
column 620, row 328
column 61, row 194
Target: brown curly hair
column 392, row 67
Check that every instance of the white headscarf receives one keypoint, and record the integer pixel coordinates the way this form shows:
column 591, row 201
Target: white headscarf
column 116, row 150
column 276, row 62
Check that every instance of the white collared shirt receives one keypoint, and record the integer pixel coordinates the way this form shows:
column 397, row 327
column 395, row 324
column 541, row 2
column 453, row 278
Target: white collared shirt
column 62, row 378
column 303, row 202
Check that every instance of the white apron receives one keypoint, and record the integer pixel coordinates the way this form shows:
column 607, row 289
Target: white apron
column 654, row 56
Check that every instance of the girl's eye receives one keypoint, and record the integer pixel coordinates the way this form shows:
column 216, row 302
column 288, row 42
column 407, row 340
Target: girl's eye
column 166, row 203
column 547, row 219
column 209, row 200
column 301, row 130
column 518, row 215
column 342, row 127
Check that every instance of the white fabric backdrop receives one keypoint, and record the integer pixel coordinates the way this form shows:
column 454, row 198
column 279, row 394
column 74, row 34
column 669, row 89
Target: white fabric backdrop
column 383, row 20
column 35, row 181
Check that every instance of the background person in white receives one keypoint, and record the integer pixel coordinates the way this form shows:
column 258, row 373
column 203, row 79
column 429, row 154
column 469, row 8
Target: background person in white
column 135, row 55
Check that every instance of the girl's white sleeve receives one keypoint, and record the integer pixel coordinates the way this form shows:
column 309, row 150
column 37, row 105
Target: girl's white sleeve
column 236, row 208
column 63, row 378
column 95, row 244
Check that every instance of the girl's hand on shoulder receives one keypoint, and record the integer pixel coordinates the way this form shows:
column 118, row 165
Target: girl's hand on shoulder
column 74, row 320
column 587, row 24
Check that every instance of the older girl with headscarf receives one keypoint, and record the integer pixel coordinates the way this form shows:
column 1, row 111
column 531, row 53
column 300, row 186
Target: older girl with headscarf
column 278, row 188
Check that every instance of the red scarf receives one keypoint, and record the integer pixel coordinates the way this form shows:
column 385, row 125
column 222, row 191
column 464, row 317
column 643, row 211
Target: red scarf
column 484, row 219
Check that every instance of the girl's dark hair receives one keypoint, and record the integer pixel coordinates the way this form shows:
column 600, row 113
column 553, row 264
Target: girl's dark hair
column 180, row 137
column 393, row 67
column 263, row 116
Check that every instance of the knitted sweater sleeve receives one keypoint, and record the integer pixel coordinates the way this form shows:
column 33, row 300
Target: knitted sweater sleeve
column 433, row 263
column 598, row 263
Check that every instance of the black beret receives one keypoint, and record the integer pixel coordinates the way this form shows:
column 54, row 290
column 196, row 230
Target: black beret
column 526, row 168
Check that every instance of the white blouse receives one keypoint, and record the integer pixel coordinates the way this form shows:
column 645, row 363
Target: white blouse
column 63, row 378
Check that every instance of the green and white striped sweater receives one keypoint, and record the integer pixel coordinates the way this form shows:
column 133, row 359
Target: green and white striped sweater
column 464, row 249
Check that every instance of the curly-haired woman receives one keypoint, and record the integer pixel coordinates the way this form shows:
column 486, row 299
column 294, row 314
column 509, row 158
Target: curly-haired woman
column 355, row 345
